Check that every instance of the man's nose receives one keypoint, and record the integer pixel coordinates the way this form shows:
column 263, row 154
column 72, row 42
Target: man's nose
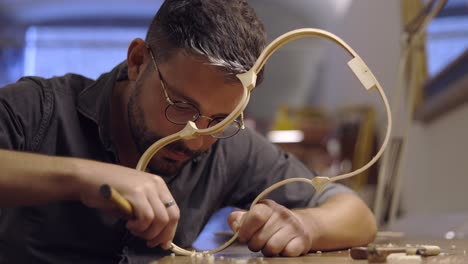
column 203, row 122
column 200, row 143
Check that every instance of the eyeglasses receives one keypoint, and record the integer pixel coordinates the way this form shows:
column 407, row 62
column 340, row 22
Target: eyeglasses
column 180, row 112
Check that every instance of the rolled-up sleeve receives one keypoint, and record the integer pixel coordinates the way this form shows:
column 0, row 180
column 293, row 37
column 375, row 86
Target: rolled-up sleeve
column 21, row 114
column 256, row 164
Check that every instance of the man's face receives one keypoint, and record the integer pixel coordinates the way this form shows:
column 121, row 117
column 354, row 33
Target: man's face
column 187, row 79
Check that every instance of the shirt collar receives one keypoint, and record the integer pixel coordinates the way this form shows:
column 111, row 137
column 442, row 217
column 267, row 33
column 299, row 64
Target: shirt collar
column 94, row 101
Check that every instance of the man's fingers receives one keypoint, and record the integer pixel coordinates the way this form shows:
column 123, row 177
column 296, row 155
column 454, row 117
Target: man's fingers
column 235, row 219
column 159, row 221
column 254, row 221
column 168, row 227
column 273, row 229
column 156, row 214
column 144, row 215
column 294, row 248
column 259, row 240
column 278, row 241
column 167, row 244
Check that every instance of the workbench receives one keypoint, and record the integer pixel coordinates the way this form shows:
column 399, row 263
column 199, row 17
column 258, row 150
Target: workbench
column 453, row 252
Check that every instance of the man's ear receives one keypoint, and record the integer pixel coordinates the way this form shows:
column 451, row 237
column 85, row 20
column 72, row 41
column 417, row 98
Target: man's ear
column 137, row 57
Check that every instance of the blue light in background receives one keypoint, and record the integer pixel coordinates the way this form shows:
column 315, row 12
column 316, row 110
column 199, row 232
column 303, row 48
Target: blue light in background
column 447, row 38
column 89, row 51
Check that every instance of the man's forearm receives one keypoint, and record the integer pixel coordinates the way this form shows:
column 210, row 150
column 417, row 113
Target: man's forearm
column 27, row 179
column 342, row 221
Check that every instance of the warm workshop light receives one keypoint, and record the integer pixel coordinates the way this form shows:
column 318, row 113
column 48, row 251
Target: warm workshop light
column 285, row 136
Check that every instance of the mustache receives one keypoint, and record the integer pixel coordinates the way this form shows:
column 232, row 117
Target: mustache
column 176, row 146
column 179, row 146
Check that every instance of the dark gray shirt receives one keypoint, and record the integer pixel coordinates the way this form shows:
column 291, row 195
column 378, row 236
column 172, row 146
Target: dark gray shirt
column 69, row 116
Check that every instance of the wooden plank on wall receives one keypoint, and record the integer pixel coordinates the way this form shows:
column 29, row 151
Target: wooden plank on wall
column 446, row 91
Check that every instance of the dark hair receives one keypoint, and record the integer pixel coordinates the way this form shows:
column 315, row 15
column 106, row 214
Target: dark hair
column 227, row 33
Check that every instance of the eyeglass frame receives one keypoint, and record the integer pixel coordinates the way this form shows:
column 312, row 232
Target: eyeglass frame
column 240, row 124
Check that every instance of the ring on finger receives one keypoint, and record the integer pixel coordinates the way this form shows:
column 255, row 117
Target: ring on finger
column 169, row 203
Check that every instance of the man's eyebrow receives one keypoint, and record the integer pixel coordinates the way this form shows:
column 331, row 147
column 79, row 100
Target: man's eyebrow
column 174, row 91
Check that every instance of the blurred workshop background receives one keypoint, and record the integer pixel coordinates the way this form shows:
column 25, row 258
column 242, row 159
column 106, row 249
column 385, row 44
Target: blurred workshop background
column 310, row 103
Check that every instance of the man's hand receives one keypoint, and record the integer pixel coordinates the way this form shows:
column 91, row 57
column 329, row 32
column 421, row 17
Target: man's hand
column 273, row 229
column 30, row 179
column 147, row 193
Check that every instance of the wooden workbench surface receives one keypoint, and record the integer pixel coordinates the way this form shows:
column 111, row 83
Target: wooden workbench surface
column 453, row 252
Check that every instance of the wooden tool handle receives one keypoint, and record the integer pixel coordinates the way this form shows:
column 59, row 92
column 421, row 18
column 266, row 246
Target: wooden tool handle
column 114, row 196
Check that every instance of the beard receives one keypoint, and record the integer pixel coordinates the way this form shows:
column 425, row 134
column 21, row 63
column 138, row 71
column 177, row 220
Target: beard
column 143, row 138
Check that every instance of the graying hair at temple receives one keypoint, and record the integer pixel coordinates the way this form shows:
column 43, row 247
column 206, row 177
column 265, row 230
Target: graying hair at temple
column 226, row 33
